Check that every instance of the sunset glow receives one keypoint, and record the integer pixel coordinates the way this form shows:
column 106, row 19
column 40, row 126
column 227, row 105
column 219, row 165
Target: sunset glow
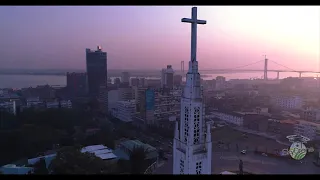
column 56, row 37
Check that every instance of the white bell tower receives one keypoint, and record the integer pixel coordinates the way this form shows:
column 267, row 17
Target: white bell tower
column 192, row 146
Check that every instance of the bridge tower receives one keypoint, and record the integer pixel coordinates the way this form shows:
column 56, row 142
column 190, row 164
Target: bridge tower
column 265, row 74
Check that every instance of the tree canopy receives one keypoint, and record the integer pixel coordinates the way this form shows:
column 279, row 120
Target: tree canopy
column 40, row 167
column 138, row 161
column 70, row 160
column 39, row 130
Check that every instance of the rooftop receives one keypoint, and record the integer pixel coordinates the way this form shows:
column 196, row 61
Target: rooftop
column 227, row 172
column 100, row 151
column 14, row 169
column 288, row 121
column 131, row 144
column 308, row 122
column 229, row 112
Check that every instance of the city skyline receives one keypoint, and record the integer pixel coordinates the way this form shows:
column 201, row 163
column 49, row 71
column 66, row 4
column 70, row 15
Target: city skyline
column 56, row 37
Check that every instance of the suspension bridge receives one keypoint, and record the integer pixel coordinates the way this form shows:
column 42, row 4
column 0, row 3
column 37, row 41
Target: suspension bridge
column 240, row 69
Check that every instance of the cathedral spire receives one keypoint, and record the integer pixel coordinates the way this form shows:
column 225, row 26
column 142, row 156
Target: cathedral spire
column 193, row 65
column 191, row 147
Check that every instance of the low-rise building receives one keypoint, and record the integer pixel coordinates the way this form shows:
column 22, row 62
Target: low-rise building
column 14, row 169
column 255, row 122
column 283, row 128
column 100, row 151
column 8, row 106
column 288, row 101
column 308, row 129
column 124, row 149
column 35, row 102
column 59, row 104
column 311, row 114
column 229, row 117
column 25, row 167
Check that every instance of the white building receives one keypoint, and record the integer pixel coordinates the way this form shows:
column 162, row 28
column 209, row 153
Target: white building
column 53, row 104
column 310, row 130
column 232, row 117
column 100, row 151
column 125, row 110
column 59, row 104
column 34, row 102
column 66, row 104
column 288, row 102
column 9, row 106
column 125, row 93
column 192, row 145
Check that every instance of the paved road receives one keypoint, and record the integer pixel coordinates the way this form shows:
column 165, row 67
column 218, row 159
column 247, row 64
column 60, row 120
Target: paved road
column 257, row 164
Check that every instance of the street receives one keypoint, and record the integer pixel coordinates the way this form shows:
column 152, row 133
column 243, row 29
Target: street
column 226, row 156
column 256, row 164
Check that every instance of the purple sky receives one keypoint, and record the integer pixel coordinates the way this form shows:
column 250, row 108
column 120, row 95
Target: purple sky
column 152, row 37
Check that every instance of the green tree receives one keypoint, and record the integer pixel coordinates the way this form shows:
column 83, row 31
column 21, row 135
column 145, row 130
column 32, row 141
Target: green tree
column 41, row 138
column 104, row 136
column 40, row 167
column 161, row 154
column 138, row 160
column 7, row 120
column 70, row 160
column 316, row 157
column 241, row 167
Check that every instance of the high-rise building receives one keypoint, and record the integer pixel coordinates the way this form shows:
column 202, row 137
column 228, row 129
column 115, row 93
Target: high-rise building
column 192, row 145
column 109, row 81
column 146, row 104
column 167, row 77
column 220, row 83
column 142, row 82
column 163, row 77
column 134, row 81
column 126, row 110
column 125, row 78
column 154, row 83
column 125, row 92
column 96, row 69
column 117, row 82
column 76, row 84
column 177, row 80
column 103, row 98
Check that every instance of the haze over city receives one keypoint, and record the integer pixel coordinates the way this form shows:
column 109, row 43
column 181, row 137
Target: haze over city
column 160, row 90
column 56, row 37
